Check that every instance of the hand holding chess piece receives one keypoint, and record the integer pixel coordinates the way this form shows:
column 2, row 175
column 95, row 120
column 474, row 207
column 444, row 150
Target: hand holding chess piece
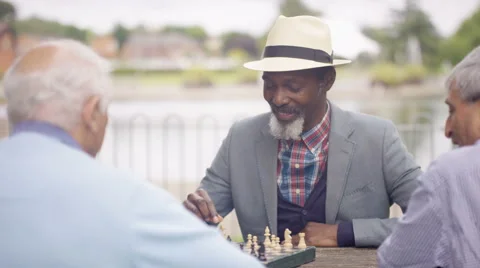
column 201, row 205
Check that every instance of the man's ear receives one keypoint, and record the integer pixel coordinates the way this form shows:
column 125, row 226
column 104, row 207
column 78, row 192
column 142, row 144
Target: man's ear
column 91, row 112
column 328, row 79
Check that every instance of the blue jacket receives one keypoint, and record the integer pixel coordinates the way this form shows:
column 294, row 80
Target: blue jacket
column 61, row 208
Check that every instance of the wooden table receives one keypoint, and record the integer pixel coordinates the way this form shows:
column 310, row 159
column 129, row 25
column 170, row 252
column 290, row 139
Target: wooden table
column 344, row 257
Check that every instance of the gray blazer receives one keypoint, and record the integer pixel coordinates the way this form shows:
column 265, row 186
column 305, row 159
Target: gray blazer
column 368, row 170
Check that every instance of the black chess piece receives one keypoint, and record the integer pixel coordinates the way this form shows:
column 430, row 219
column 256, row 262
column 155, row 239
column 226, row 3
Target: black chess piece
column 241, row 246
column 252, row 252
column 261, row 253
column 229, row 239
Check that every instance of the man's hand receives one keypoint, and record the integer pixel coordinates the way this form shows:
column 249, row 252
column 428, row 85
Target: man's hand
column 318, row 235
column 201, row 205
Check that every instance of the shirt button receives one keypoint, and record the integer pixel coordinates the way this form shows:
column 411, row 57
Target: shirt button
column 297, row 166
column 297, row 191
column 304, row 212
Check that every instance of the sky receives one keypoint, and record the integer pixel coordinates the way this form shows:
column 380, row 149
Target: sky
column 345, row 17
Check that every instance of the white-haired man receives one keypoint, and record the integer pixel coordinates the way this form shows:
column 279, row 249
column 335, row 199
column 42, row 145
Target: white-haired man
column 441, row 227
column 61, row 208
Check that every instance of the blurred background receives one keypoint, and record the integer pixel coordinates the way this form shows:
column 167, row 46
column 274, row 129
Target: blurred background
column 180, row 84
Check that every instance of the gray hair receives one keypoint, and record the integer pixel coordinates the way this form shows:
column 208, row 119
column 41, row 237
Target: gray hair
column 466, row 76
column 56, row 94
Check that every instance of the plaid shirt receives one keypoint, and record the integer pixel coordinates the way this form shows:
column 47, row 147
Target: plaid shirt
column 301, row 162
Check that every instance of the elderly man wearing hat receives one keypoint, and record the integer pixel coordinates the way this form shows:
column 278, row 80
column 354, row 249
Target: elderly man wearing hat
column 307, row 165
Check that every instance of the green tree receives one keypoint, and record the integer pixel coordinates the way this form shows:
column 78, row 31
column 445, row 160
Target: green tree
column 292, row 8
column 40, row 26
column 121, row 35
column 409, row 22
column 243, row 41
column 7, row 12
column 464, row 40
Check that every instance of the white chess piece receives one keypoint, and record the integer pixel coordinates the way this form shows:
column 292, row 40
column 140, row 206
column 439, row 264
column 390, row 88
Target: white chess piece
column 278, row 247
column 272, row 245
column 267, row 241
column 255, row 243
column 248, row 246
column 288, row 239
column 301, row 243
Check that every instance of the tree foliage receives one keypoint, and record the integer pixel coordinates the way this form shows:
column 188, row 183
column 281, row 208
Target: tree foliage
column 121, row 34
column 290, row 8
column 464, row 40
column 409, row 22
column 8, row 12
column 43, row 27
column 243, row 41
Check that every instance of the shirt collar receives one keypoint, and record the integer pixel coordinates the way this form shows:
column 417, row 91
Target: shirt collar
column 314, row 137
column 46, row 129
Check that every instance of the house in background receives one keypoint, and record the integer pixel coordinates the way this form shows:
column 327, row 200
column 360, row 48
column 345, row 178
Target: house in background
column 7, row 46
column 106, row 46
column 173, row 46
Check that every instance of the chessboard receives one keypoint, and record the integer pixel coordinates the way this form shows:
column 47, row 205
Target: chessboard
column 272, row 254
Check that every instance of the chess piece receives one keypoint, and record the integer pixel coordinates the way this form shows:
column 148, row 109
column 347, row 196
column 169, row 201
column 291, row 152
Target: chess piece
column 267, row 241
column 261, row 253
column 288, row 239
column 229, row 239
column 301, row 243
column 272, row 244
column 278, row 247
column 255, row 243
column 249, row 242
column 252, row 251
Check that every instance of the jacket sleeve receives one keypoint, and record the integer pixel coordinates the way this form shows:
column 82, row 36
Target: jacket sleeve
column 400, row 172
column 217, row 178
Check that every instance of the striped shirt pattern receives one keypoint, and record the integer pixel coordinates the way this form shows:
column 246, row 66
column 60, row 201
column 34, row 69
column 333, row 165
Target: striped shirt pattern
column 441, row 227
column 301, row 162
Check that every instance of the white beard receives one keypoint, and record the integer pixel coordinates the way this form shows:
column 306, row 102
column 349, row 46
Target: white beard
column 289, row 131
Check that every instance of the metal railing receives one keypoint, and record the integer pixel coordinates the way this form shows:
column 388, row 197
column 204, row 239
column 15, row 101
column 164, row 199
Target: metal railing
column 173, row 152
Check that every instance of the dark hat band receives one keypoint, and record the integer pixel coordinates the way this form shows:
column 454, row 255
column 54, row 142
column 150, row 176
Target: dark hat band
column 298, row 53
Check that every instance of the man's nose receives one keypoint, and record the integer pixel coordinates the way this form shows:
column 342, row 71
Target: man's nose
column 280, row 98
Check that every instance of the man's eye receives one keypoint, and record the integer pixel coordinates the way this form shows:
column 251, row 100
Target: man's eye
column 294, row 88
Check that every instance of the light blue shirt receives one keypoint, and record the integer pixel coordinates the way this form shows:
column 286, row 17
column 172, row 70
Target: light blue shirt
column 61, row 208
column 442, row 225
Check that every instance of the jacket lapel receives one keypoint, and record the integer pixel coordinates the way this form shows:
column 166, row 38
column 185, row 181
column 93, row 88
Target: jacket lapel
column 266, row 154
column 340, row 152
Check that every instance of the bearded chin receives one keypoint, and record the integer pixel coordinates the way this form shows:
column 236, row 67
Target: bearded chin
column 286, row 131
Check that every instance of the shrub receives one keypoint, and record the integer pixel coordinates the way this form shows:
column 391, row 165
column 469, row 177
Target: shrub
column 391, row 75
column 197, row 77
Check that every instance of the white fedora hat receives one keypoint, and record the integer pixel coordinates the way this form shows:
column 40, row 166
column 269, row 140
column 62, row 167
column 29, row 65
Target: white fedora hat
column 297, row 43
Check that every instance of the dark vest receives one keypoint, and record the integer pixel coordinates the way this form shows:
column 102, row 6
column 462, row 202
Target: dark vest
column 295, row 217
